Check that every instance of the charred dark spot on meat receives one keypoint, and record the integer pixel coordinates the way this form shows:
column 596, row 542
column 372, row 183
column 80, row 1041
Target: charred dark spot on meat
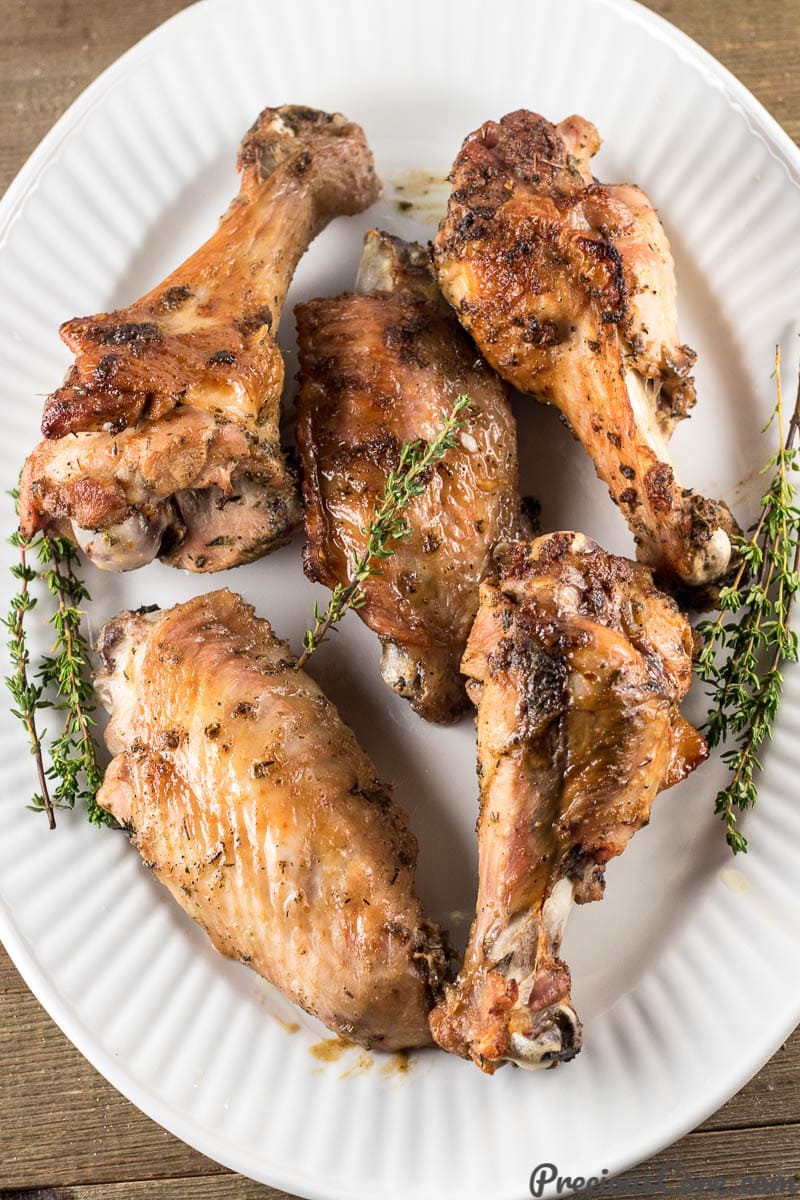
column 301, row 163
column 463, row 226
column 603, row 277
column 403, row 336
column 115, row 427
column 260, row 151
column 170, row 739
column 265, row 146
column 106, row 368
column 659, row 483
column 261, row 769
column 221, row 358
column 172, row 298
column 541, row 677
column 541, row 333
column 706, row 518
column 252, row 322
column 135, row 336
column 296, row 116
column 374, row 793
column 521, row 249
column 382, row 449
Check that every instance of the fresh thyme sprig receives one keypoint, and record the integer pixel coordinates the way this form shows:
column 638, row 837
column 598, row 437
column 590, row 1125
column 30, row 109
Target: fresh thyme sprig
column 403, row 485
column 27, row 695
column 74, row 764
column 63, row 675
column 742, row 655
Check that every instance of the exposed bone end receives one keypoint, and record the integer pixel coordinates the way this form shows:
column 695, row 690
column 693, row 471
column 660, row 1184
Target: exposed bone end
column 581, row 142
column 542, row 1036
column 306, row 140
column 651, row 423
column 512, row 1003
column 433, row 685
column 214, row 532
column 116, row 794
column 484, row 1016
column 711, row 561
column 557, row 1037
column 554, row 1033
column 129, row 544
column 388, row 263
column 694, row 545
column 115, row 684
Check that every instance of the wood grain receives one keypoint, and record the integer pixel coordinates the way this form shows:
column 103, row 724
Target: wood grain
column 65, row 1134
column 227, row 1187
column 713, row 1159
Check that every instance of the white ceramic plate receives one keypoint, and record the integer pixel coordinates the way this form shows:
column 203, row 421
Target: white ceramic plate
column 687, row 974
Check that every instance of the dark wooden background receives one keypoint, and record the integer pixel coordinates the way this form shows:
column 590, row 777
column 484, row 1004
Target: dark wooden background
column 65, row 1134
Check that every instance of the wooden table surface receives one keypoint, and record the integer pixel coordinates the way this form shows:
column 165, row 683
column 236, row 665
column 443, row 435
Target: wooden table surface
column 66, row 1134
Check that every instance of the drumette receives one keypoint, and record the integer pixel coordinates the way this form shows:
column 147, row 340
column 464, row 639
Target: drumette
column 568, row 287
column 577, row 665
column 164, row 438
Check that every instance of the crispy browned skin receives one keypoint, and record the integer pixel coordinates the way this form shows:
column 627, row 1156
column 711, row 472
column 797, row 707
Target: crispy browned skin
column 197, row 491
column 379, row 367
column 251, row 800
column 205, row 336
column 568, row 287
column 577, row 665
column 199, row 351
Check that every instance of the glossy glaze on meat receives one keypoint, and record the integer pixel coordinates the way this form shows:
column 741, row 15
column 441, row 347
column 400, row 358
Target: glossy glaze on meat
column 577, row 665
column 568, row 287
column 250, row 799
column 170, row 412
column 378, row 367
